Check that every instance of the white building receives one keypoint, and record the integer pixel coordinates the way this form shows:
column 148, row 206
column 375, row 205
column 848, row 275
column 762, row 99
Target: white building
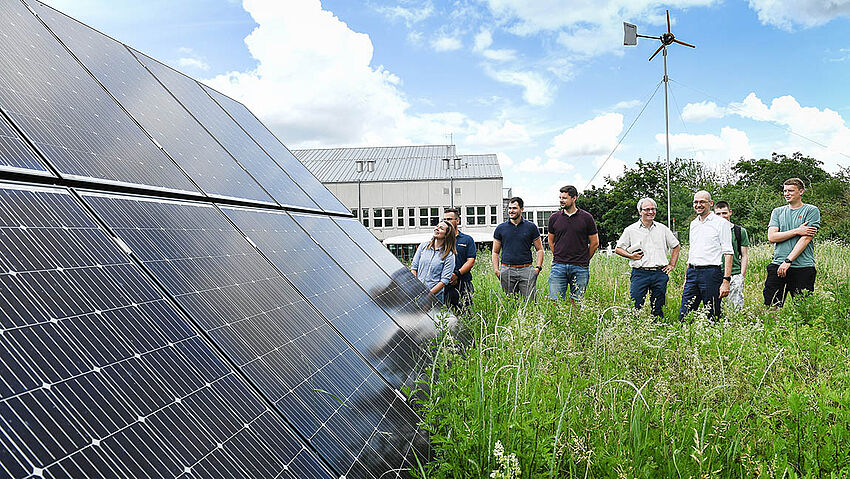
column 400, row 192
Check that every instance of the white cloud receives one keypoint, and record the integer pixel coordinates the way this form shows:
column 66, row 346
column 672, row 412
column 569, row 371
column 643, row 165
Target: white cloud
column 626, row 104
column 729, row 146
column 597, row 136
column 190, row 59
column 483, row 40
column 585, row 27
column 325, row 92
column 500, row 55
column 505, row 161
column 187, row 62
column 803, row 13
column 446, row 44
column 491, row 134
column 410, row 16
column 537, row 90
column 704, row 110
column 538, row 165
column 809, row 127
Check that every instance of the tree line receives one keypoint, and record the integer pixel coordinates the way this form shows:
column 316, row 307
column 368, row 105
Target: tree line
column 752, row 187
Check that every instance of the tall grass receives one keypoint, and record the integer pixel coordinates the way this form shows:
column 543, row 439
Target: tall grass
column 550, row 390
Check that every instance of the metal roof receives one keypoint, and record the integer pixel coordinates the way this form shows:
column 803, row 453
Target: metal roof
column 396, row 163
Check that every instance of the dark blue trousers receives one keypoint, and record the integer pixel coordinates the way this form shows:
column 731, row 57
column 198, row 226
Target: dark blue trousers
column 654, row 282
column 702, row 286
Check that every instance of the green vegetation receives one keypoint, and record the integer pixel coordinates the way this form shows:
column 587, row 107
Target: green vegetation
column 549, row 390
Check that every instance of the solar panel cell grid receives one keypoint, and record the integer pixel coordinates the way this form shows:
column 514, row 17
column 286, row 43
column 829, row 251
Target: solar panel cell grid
column 230, row 135
column 279, row 152
column 381, row 255
column 99, row 375
column 15, row 155
column 292, row 354
column 68, row 117
column 409, row 311
column 334, row 293
column 136, row 89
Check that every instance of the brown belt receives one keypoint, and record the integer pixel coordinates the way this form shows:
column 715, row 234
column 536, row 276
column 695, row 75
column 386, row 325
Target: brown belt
column 517, row 265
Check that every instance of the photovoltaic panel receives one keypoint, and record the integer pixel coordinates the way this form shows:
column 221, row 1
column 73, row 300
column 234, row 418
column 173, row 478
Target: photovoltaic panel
column 100, row 376
column 67, row 116
column 136, row 89
column 386, row 260
column 347, row 306
column 241, row 146
column 258, row 131
column 15, row 154
column 410, row 312
column 290, row 352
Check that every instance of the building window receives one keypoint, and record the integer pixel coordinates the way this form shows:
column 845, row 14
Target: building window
column 470, row 215
column 388, row 218
column 383, row 217
column 476, row 215
column 434, row 219
column 423, row 216
column 379, row 217
column 481, row 217
column 445, row 191
column 411, row 217
column 493, row 217
column 365, row 213
column 354, row 212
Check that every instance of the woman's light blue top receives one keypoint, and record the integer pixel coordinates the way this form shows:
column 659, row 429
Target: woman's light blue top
column 430, row 267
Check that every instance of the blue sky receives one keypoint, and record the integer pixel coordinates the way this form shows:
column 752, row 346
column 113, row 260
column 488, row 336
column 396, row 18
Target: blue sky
column 545, row 84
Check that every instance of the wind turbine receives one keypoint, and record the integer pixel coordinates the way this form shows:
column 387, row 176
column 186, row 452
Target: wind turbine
column 630, row 39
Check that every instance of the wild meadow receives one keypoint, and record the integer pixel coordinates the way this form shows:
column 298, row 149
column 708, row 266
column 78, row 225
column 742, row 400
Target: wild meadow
column 546, row 389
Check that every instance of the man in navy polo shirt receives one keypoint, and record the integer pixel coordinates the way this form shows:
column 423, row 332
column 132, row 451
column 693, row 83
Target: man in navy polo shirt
column 459, row 291
column 515, row 271
column 573, row 239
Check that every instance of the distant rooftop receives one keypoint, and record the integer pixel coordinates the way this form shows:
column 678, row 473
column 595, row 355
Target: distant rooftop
column 396, row 163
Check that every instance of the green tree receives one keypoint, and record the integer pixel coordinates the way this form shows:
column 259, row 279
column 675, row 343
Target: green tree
column 778, row 168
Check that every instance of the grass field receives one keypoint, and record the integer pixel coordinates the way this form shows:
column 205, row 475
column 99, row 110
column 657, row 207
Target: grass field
column 548, row 390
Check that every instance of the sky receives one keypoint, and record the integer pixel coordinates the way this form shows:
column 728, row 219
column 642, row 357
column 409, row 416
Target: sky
column 546, row 85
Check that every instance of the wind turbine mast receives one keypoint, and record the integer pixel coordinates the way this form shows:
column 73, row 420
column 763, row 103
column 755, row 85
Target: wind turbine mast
column 629, row 39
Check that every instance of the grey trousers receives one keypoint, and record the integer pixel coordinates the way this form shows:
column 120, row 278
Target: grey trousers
column 519, row 280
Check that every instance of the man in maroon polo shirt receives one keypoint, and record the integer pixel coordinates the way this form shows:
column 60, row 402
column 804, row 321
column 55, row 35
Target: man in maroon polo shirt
column 573, row 239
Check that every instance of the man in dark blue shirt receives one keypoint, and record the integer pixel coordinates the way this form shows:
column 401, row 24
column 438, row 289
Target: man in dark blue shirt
column 516, row 271
column 459, row 291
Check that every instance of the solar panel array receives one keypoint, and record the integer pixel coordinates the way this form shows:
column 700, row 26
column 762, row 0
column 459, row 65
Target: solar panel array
column 178, row 295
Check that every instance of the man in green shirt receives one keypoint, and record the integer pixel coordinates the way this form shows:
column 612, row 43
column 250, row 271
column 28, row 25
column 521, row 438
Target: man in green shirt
column 792, row 228
column 740, row 255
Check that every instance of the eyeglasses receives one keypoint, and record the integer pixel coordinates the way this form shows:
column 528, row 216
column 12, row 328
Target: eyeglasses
column 648, row 209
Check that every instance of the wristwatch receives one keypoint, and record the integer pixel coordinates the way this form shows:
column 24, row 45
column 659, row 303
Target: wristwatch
column 788, row 260
column 539, row 268
column 727, row 278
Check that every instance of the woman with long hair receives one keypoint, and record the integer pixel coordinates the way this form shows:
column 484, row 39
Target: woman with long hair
column 434, row 261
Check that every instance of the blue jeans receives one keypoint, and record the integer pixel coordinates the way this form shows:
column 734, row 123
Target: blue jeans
column 702, row 286
column 563, row 275
column 655, row 282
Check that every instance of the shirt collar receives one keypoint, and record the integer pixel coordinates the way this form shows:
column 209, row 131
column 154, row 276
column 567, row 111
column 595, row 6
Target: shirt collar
column 640, row 225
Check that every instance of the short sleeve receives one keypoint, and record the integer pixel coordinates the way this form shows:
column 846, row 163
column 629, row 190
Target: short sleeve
column 813, row 216
column 625, row 239
column 551, row 221
column 591, row 225
column 745, row 237
column 497, row 235
column 671, row 239
column 774, row 218
column 725, row 235
column 472, row 250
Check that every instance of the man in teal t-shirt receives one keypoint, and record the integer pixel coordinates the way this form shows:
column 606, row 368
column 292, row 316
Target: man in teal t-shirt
column 792, row 228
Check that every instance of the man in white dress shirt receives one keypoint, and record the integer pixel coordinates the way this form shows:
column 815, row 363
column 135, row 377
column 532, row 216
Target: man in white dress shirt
column 646, row 244
column 709, row 259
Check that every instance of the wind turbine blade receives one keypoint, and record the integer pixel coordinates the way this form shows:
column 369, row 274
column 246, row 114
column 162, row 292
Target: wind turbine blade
column 668, row 21
column 656, row 52
column 685, row 44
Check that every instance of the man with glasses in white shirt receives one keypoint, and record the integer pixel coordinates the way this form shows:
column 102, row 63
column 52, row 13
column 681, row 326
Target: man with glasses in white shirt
column 709, row 259
column 646, row 244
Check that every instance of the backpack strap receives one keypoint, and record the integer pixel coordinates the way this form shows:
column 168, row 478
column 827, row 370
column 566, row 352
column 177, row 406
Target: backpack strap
column 737, row 230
